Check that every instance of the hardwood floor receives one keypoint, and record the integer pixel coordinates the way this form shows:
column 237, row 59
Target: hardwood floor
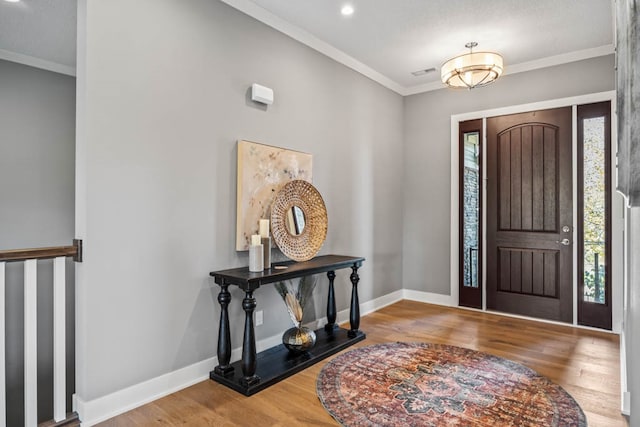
column 584, row 362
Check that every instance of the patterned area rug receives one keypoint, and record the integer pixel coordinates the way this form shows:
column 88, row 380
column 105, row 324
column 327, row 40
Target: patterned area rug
column 417, row 384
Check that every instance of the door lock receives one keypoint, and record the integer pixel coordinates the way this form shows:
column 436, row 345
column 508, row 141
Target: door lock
column 566, row 229
column 565, row 242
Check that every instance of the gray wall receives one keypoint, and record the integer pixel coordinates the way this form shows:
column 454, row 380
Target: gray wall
column 427, row 155
column 165, row 90
column 37, row 140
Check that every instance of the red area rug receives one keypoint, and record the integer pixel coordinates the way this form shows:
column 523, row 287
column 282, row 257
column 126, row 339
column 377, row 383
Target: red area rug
column 418, row 384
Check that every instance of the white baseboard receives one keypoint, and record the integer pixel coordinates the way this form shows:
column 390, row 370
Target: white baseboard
column 100, row 409
column 429, row 297
column 97, row 410
column 625, row 404
column 378, row 303
column 365, row 308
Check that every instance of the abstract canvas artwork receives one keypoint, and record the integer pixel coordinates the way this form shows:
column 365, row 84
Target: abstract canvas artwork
column 262, row 171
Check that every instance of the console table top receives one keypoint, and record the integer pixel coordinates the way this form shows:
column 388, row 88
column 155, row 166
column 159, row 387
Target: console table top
column 247, row 280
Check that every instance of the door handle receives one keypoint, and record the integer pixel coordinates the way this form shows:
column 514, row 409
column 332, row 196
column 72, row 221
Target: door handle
column 565, row 242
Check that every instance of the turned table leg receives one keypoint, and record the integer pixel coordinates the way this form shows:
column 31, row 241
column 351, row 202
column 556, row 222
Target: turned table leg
column 249, row 362
column 354, row 315
column 331, row 304
column 224, row 338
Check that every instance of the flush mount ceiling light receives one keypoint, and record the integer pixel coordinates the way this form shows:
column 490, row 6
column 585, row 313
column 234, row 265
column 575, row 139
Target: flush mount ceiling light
column 472, row 69
column 347, row 10
column 12, row 1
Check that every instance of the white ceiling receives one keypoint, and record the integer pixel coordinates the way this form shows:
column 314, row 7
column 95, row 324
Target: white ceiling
column 384, row 39
column 39, row 32
column 396, row 37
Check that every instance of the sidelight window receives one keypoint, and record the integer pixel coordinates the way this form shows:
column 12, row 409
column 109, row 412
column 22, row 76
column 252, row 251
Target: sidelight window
column 471, row 208
column 595, row 204
column 594, row 211
column 470, row 251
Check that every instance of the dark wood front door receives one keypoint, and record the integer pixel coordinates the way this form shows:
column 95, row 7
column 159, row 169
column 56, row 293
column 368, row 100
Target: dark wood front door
column 529, row 214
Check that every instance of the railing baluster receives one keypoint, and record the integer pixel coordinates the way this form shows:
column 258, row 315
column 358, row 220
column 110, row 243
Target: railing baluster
column 30, row 259
column 59, row 362
column 3, row 384
column 30, row 343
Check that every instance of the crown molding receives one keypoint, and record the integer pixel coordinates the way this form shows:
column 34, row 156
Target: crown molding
column 549, row 61
column 425, row 87
column 249, row 8
column 37, row 62
column 564, row 58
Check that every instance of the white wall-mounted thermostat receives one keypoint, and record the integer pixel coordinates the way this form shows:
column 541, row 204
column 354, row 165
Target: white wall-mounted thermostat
column 261, row 94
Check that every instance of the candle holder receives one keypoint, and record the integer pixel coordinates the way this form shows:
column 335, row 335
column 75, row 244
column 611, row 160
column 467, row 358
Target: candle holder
column 256, row 258
column 266, row 247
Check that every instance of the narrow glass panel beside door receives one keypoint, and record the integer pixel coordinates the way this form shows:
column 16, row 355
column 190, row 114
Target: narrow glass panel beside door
column 594, row 215
column 471, row 208
column 595, row 203
column 470, row 213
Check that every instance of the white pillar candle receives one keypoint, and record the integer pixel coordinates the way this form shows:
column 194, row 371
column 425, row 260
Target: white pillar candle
column 255, row 239
column 264, row 228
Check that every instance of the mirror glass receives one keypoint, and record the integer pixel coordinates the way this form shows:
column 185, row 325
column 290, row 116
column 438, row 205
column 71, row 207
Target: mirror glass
column 295, row 220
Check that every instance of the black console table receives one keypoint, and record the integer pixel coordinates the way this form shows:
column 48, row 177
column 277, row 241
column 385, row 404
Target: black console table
column 255, row 372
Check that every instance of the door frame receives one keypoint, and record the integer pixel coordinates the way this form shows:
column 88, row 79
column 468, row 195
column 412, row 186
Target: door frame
column 617, row 204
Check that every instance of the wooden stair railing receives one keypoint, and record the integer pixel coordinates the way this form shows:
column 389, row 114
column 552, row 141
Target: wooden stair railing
column 30, row 258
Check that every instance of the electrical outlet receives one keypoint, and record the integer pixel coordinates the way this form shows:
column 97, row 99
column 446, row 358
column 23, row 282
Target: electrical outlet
column 259, row 318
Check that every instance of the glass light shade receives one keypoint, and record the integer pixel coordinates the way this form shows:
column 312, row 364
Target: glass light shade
column 472, row 69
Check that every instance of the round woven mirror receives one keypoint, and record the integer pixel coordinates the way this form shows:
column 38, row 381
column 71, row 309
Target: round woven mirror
column 299, row 220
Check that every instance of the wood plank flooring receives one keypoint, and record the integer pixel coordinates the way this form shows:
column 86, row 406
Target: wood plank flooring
column 584, row 362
